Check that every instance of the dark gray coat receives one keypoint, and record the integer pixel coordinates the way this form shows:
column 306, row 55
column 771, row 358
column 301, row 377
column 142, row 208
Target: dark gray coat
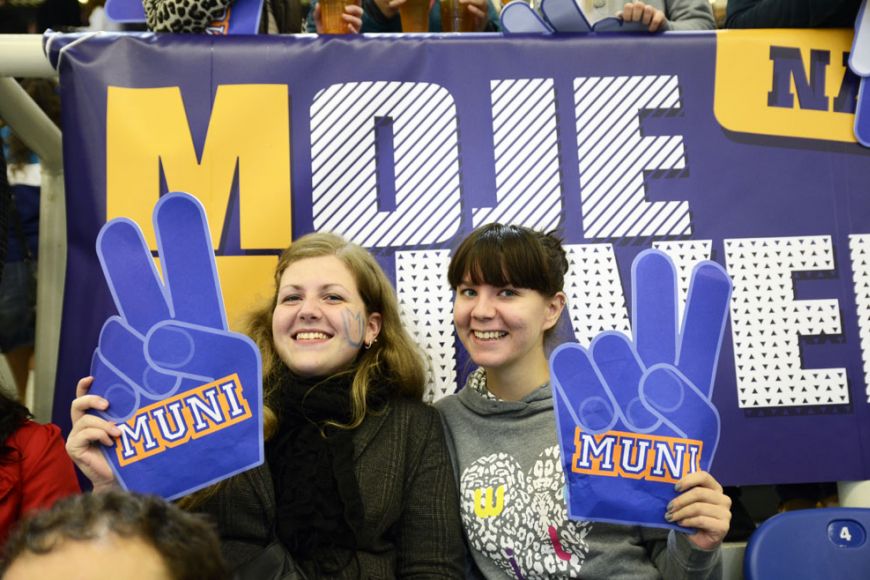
column 412, row 527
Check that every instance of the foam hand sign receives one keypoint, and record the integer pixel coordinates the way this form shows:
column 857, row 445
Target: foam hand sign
column 559, row 16
column 634, row 417
column 859, row 62
column 185, row 392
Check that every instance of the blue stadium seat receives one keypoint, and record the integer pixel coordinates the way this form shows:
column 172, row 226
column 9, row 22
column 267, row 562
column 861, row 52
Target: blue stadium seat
column 813, row 544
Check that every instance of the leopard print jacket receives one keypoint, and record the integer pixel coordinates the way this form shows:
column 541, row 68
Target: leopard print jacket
column 194, row 16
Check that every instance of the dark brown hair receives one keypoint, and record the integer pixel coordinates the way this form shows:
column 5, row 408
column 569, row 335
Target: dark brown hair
column 12, row 416
column 506, row 255
column 187, row 543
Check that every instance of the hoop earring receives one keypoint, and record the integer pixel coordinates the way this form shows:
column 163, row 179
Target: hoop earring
column 368, row 345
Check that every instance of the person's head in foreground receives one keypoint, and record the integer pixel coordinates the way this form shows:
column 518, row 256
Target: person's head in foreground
column 114, row 535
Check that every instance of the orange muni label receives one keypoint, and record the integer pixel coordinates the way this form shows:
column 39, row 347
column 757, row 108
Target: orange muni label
column 176, row 420
column 635, row 455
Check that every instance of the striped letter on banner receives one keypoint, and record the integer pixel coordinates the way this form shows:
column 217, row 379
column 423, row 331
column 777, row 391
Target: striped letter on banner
column 614, row 155
column 414, row 202
column 526, row 147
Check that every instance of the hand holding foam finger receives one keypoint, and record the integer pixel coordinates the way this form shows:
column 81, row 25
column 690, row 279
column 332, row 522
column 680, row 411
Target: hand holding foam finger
column 185, row 391
column 654, row 421
column 702, row 505
column 87, row 434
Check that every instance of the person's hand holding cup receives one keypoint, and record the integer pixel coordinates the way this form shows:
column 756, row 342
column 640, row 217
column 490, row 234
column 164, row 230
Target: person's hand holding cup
column 413, row 13
column 338, row 17
column 463, row 15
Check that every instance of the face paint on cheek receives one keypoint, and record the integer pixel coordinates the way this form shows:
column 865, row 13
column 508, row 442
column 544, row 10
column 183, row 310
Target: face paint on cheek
column 354, row 328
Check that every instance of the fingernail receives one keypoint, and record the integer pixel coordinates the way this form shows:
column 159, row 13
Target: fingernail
column 669, row 517
column 671, row 506
column 678, row 487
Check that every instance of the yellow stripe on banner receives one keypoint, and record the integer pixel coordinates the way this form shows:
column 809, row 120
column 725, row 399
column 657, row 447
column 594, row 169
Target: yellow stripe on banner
column 785, row 82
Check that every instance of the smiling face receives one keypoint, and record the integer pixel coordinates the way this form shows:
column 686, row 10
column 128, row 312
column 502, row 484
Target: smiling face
column 502, row 327
column 320, row 322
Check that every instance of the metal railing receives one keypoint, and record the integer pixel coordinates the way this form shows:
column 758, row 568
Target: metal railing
column 21, row 55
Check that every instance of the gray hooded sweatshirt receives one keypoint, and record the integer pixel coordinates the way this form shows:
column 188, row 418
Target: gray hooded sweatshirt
column 511, row 484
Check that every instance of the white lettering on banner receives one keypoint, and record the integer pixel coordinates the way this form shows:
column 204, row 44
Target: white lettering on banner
column 526, row 149
column 427, row 311
column 767, row 322
column 614, row 155
column 419, row 123
column 859, row 249
column 685, row 254
column 596, row 300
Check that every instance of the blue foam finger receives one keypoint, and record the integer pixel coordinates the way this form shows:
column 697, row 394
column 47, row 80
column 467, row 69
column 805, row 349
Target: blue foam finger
column 654, row 307
column 124, row 349
column 212, row 353
column 621, row 370
column 115, row 387
column 579, row 390
column 614, row 24
column 859, row 57
column 704, row 322
column 862, row 114
column 683, row 408
column 667, row 426
column 187, row 257
column 131, row 274
column 225, row 402
column 565, row 16
column 189, row 404
column 519, row 18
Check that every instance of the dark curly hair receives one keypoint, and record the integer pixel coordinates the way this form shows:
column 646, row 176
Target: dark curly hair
column 187, row 542
column 12, row 415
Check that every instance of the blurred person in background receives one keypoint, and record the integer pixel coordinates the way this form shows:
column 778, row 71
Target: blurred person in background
column 58, row 15
column 279, row 16
column 35, row 470
column 657, row 15
column 792, row 13
column 383, row 16
column 19, row 198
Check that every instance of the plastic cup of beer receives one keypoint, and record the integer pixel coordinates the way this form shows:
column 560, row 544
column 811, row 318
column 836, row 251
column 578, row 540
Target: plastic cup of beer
column 415, row 16
column 456, row 17
column 330, row 16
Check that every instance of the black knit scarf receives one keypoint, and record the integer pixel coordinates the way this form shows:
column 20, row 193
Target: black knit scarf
column 318, row 503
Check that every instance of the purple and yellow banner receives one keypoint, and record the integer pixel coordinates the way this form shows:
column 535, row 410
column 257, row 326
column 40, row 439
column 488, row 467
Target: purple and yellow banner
column 733, row 147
